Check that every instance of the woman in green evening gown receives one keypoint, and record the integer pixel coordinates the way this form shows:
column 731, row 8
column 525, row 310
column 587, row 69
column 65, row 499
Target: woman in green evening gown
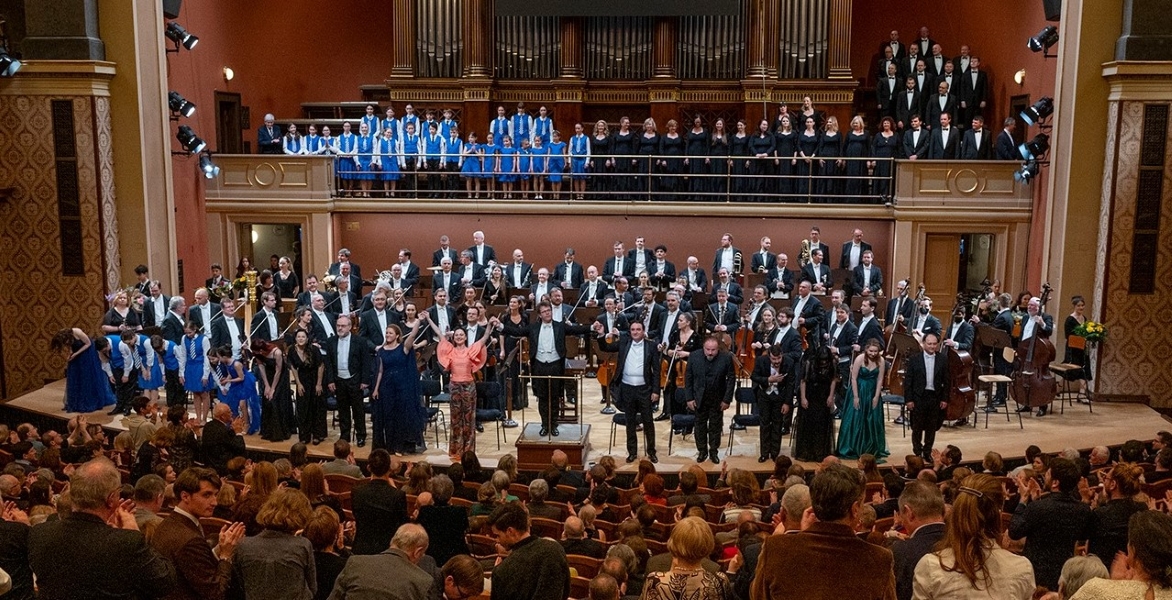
column 862, row 431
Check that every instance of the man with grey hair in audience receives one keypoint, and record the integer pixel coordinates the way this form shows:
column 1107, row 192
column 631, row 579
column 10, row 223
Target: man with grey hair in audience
column 574, row 540
column 538, row 507
column 921, row 509
column 82, row 556
column 794, row 503
column 148, row 501
column 394, row 573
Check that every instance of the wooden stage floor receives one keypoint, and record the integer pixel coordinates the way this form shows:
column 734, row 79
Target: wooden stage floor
column 1111, row 423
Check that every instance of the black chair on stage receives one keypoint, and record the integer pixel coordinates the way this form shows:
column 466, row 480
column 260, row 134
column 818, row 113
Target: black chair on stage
column 684, row 423
column 744, row 397
column 488, row 402
column 432, row 394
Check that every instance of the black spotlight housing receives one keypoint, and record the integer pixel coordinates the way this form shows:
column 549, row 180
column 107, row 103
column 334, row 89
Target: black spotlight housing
column 1028, row 171
column 176, row 33
column 209, row 168
column 191, row 142
column 9, row 64
column 179, row 104
column 1047, row 37
column 1035, row 148
column 1037, row 113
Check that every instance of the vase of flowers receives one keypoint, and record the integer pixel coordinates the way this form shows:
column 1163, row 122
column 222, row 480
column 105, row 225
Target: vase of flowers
column 1091, row 331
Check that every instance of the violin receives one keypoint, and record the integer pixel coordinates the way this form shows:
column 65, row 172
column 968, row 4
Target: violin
column 1034, row 386
column 670, row 366
column 962, row 398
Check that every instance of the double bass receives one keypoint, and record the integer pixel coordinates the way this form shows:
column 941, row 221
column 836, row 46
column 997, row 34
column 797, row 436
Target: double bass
column 745, row 356
column 962, row 398
column 1033, row 384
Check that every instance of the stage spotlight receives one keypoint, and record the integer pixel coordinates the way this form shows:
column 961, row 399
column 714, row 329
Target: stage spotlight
column 1028, row 171
column 180, row 105
column 1039, row 111
column 209, row 168
column 1035, row 148
column 179, row 35
column 191, row 142
column 9, row 64
column 229, row 74
column 1046, row 37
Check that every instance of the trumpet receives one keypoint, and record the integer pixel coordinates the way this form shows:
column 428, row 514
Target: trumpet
column 804, row 254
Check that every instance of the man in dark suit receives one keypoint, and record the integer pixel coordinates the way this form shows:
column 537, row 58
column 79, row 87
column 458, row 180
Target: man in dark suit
column 216, row 279
column 908, row 103
column 885, row 63
column 976, row 144
column 724, row 282
column 445, row 251
column 352, row 280
column 264, row 322
column 1006, row 148
column 762, row 260
column 268, row 137
column 1035, row 323
column 945, row 140
column 974, row 91
column 815, row 243
column 482, row 254
column 83, row 557
column 844, row 337
column 907, row 65
column 773, row 380
column 366, row 576
column 900, row 305
column 349, row 370
column 518, row 273
column 960, row 333
column 935, row 61
column 344, row 259
column 898, row 50
column 221, row 438
column 14, row 559
column 568, row 273
column 1052, row 518
column 697, row 279
column 924, row 42
column 173, row 321
column 921, row 510
column 926, row 393
column 201, row 572
column 723, row 316
column 867, row 279
column 780, row 278
column 442, row 313
column 836, row 495
column 868, row 325
column 446, row 279
column 639, row 256
column 379, row 507
column 618, row 265
column 726, row 257
column 853, row 249
column 915, row 140
column 410, row 269
column 228, row 329
column 661, row 271
column 469, row 273
column 323, row 326
column 203, row 311
column 593, row 289
column 635, row 384
column 817, row 272
column 373, row 323
column 709, row 382
column 886, row 88
column 535, row 568
column 923, row 321
column 649, row 312
column 547, row 356
column 963, row 62
column 808, row 310
column 154, row 305
column 1004, row 322
column 942, row 103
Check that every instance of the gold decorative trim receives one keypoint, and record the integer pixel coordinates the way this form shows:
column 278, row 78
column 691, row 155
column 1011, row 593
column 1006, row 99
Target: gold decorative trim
column 60, row 78
column 1139, row 81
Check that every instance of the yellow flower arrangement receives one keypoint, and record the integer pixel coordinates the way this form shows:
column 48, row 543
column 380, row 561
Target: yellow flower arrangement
column 1092, row 331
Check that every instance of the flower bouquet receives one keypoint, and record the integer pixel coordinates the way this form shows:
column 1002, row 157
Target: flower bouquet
column 1093, row 332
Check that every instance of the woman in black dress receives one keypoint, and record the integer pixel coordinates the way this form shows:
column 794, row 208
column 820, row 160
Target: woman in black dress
column 738, row 152
column 858, row 147
column 308, row 372
column 682, row 342
column 761, row 148
column 287, row 283
column 672, row 147
column 601, row 164
column 496, row 288
column 276, row 414
column 785, row 143
column 814, row 435
column 809, row 142
column 648, row 147
column 121, row 316
column 717, row 163
column 698, row 165
column 515, row 317
column 884, row 147
column 1074, row 354
column 830, row 162
column 623, row 145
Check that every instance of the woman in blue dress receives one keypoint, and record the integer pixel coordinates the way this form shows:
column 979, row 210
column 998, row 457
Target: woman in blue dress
column 557, row 163
column 151, row 378
column 471, row 154
column 538, row 161
column 238, row 388
column 506, row 167
column 524, row 166
column 579, row 158
column 365, row 158
column 397, row 416
column 87, row 388
column 195, row 369
column 386, row 158
column 347, row 150
column 488, row 158
column 862, row 429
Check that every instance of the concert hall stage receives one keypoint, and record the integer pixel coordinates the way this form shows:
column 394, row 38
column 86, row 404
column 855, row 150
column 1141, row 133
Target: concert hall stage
column 1110, row 424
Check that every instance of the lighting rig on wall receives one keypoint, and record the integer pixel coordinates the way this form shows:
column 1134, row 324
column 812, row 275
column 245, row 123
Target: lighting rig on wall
column 1042, row 42
column 180, row 107
column 9, row 64
column 1034, row 151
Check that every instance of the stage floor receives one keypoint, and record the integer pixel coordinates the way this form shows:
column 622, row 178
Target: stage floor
column 1111, row 423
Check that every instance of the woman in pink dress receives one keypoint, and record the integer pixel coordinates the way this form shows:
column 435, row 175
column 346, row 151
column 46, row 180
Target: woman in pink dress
column 461, row 361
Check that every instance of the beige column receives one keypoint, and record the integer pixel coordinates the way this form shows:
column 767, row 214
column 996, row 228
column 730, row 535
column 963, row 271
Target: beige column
column 840, row 39
column 404, row 34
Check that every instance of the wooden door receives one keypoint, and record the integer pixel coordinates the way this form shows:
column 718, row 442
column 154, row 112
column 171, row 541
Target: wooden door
column 941, row 271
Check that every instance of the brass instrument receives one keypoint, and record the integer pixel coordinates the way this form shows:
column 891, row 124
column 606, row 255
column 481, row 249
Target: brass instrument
column 738, row 263
column 804, row 253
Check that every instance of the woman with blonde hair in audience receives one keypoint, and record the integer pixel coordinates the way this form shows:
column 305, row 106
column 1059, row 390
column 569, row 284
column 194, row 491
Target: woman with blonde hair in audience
column 417, row 478
column 276, row 563
column 1145, row 572
column 486, row 500
column 225, row 500
column 315, row 487
column 508, row 464
column 969, row 563
column 690, row 543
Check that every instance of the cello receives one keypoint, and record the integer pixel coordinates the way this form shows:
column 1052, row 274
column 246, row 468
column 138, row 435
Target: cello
column 962, row 398
column 1034, row 385
column 745, row 355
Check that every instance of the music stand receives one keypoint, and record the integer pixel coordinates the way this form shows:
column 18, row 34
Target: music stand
column 503, row 373
column 569, row 296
